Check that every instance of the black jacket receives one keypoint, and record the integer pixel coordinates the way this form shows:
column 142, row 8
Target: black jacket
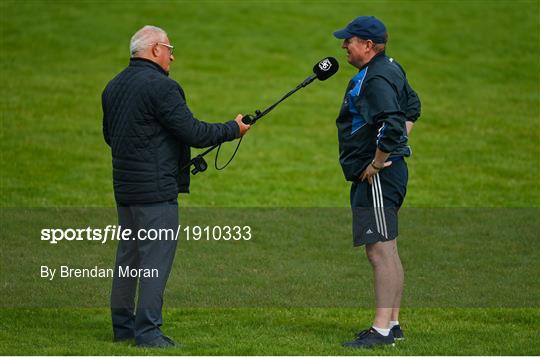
column 377, row 102
column 150, row 130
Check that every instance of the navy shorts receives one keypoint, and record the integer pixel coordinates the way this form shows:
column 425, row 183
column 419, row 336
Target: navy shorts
column 375, row 207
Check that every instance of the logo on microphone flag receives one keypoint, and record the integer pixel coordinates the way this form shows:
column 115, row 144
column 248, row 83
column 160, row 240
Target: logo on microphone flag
column 325, row 64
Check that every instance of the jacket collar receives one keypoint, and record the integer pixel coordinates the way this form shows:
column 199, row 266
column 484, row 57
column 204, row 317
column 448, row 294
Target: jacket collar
column 375, row 58
column 143, row 62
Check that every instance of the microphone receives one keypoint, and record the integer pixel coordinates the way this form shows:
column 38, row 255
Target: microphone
column 326, row 68
column 322, row 70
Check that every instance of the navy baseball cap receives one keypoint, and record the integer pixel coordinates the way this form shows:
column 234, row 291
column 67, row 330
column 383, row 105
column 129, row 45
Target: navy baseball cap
column 365, row 27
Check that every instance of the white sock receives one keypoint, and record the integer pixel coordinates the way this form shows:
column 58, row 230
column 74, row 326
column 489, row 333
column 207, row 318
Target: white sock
column 382, row 331
column 393, row 323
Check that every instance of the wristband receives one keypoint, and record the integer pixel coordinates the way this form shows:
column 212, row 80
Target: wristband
column 375, row 167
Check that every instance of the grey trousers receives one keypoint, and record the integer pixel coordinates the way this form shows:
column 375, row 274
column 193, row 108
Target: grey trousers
column 143, row 322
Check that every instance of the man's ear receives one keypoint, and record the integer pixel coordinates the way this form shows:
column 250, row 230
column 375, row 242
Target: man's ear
column 155, row 50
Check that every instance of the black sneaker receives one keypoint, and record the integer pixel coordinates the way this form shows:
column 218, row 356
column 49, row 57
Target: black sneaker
column 158, row 342
column 368, row 339
column 398, row 333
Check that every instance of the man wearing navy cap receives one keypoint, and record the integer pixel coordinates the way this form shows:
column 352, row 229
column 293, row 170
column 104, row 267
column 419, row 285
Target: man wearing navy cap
column 377, row 114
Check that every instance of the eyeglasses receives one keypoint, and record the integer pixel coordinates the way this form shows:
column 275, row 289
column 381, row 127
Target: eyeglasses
column 171, row 48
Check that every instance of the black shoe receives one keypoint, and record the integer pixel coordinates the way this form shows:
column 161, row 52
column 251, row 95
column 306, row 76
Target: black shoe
column 158, row 342
column 397, row 332
column 368, row 339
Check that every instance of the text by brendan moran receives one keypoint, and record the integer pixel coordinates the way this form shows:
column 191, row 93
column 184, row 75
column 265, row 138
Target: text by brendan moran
column 65, row 271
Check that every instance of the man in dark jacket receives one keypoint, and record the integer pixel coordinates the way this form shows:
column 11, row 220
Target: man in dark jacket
column 376, row 116
column 150, row 130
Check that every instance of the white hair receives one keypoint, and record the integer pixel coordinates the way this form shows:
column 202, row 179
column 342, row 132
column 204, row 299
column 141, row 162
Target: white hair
column 147, row 36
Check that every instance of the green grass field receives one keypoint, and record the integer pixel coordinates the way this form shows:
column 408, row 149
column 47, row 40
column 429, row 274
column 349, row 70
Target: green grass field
column 275, row 331
column 476, row 67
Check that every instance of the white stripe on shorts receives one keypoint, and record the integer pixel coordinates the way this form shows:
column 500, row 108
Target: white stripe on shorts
column 383, row 215
column 375, row 210
column 378, row 206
